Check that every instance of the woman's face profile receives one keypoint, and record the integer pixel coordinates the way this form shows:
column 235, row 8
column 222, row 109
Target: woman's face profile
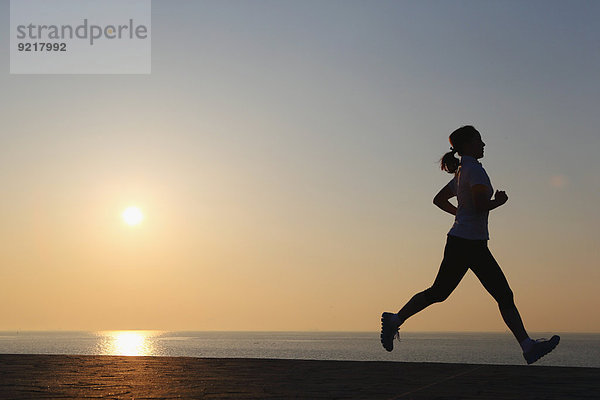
column 474, row 147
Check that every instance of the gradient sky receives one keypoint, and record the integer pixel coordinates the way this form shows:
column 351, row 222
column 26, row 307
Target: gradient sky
column 284, row 154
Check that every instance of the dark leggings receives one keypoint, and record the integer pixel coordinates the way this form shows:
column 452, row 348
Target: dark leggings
column 462, row 254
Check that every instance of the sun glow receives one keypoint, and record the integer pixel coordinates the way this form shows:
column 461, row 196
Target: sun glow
column 132, row 216
column 127, row 343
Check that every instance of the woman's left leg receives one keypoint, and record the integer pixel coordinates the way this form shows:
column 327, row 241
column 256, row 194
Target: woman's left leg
column 491, row 276
column 489, row 273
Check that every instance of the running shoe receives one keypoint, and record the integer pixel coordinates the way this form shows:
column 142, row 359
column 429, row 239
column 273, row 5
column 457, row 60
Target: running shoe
column 389, row 331
column 540, row 348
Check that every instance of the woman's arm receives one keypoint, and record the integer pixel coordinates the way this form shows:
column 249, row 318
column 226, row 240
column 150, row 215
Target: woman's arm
column 441, row 200
column 482, row 202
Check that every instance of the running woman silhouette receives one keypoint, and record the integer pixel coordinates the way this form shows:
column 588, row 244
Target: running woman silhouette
column 466, row 246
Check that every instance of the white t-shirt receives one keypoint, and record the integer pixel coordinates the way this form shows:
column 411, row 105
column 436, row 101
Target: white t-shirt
column 470, row 223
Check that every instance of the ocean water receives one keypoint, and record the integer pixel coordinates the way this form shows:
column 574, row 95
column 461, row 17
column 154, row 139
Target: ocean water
column 574, row 350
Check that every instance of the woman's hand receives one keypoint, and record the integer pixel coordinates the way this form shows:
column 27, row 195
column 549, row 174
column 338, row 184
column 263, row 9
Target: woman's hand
column 482, row 201
column 501, row 197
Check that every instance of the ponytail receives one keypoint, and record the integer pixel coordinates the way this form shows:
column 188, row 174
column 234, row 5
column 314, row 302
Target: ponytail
column 449, row 163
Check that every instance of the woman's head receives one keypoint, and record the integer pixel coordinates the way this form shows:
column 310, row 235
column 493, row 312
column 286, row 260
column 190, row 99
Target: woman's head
column 466, row 141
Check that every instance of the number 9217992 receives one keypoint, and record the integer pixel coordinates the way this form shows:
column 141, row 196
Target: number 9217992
column 42, row 46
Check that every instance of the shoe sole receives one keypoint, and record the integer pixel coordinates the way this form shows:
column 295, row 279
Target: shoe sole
column 382, row 336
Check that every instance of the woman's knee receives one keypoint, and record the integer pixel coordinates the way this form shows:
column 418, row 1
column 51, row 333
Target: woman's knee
column 506, row 300
column 436, row 295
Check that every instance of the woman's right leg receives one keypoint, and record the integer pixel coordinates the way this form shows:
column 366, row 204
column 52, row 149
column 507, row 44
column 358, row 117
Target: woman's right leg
column 452, row 270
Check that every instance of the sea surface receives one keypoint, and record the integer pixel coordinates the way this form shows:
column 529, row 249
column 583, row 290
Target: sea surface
column 574, row 350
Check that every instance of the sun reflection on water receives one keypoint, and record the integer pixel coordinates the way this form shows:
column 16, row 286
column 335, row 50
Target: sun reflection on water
column 127, row 343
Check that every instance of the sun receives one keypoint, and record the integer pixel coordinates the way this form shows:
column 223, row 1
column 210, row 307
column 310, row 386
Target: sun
column 132, row 216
